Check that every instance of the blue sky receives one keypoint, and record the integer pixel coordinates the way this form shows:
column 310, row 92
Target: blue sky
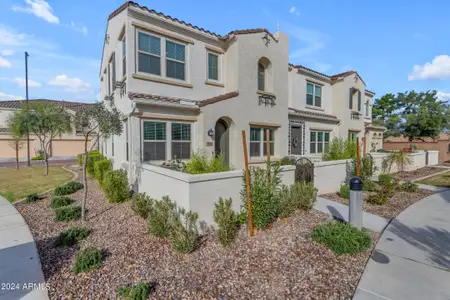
column 394, row 45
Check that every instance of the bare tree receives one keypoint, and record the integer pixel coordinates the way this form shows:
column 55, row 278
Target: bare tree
column 16, row 144
column 95, row 122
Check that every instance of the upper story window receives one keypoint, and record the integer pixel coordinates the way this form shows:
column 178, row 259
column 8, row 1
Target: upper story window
column 261, row 77
column 264, row 75
column 367, row 108
column 175, row 60
column 149, row 54
column 124, row 55
column 213, row 66
column 313, row 95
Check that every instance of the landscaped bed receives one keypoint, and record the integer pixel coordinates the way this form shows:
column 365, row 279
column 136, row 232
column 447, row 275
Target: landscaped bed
column 395, row 205
column 442, row 180
column 17, row 184
column 281, row 262
column 419, row 173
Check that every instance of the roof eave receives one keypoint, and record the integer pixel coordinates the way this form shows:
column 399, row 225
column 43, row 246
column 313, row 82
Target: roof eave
column 304, row 115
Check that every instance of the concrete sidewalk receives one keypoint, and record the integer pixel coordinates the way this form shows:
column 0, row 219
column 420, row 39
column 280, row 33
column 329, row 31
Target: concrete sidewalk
column 21, row 275
column 340, row 211
column 412, row 258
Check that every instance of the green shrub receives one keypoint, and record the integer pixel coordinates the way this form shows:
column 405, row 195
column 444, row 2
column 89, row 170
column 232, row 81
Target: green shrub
column 226, row 220
column 344, row 191
column 140, row 291
column 183, row 231
column 409, row 187
column 67, row 213
column 115, row 186
column 385, row 179
column 367, row 168
column 201, row 164
column 265, row 201
column 285, row 161
column 340, row 149
column 378, row 198
column 369, row 185
column 88, row 259
column 92, row 158
column 159, row 217
column 141, row 204
column 304, row 194
column 80, row 159
column 71, row 236
column 342, row 238
column 68, row 188
column 37, row 158
column 60, row 202
column 32, row 198
column 286, row 203
column 175, row 164
column 100, row 169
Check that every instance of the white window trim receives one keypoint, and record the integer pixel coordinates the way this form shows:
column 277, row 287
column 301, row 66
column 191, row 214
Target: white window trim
column 179, row 141
column 314, row 95
column 168, row 139
column 124, row 56
column 219, row 66
column 163, row 57
column 262, row 143
column 316, row 142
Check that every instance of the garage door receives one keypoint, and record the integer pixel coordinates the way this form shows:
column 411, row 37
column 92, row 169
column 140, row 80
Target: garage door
column 67, row 147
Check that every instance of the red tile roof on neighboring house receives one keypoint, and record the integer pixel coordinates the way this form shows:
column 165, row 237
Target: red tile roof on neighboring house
column 317, row 114
column 198, row 103
column 249, row 31
column 345, row 74
column 309, row 70
column 16, row 104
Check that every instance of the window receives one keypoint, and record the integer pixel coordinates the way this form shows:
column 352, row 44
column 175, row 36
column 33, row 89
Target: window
column 213, row 66
column 367, row 108
column 352, row 136
column 313, row 94
column 175, row 60
column 113, row 66
column 181, row 141
column 149, row 54
column 154, row 141
column 258, row 144
column 127, row 153
column 124, row 55
column 261, row 77
column 109, row 79
column 112, row 145
column 319, row 141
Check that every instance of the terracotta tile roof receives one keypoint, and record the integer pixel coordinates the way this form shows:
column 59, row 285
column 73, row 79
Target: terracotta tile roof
column 16, row 104
column 374, row 126
column 309, row 70
column 218, row 98
column 249, row 31
column 312, row 113
column 369, row 92
column 345, row 74
column 196, row 103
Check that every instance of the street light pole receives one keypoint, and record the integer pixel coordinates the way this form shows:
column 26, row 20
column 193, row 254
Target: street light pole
column 26, row 92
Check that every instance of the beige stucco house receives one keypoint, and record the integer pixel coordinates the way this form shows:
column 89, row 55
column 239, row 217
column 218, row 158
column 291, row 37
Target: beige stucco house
column 185, row 89
column 67, row 145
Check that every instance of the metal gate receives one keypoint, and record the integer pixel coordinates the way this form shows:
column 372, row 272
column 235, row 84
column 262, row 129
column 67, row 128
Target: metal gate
column 304, row 170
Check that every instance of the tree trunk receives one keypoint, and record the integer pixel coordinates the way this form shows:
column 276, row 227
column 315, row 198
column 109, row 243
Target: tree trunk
column 83, row 203
column 45, row 158
column 17, row 155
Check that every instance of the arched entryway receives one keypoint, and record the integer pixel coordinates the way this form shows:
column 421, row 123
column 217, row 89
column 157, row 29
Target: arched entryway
column 222, row 140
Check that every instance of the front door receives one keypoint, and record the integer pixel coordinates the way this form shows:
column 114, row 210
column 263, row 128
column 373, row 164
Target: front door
column 222, row 140
column 296, row 140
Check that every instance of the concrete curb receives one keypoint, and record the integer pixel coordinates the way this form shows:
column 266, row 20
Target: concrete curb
column 432, row 175
column 75, row 176
column 20, row 267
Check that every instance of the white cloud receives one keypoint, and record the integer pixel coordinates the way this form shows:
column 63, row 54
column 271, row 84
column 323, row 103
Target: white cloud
column 293, row 10
column 39, row 8
column 9, row 37
column 6, row 52
column 4, row 63
column 4, row 96
column 72, row 85
column 439, row 68
column 82, row 29
column 21, row 82
column 310, row 41
column 443, row 96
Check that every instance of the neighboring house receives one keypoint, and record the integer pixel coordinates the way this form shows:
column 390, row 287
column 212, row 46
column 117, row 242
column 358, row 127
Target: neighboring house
column 183, row 89
column 441, row 144
column 66, row 145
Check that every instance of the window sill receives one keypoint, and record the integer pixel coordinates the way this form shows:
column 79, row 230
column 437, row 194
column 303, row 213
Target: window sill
column 265, row 93
column 368, row 118
column 214, row 83
column 261, row 159
column 161, row 80
column 314, row 107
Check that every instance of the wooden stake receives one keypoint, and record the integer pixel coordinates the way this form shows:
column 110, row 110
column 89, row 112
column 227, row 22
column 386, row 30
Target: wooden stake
column 247, row 181
column 268, row 152
column 357, row 157
column 364, row 146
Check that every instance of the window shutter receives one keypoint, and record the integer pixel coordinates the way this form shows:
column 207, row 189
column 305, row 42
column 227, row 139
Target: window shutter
column 114, row 71
column 359, row 100
column 350, row 98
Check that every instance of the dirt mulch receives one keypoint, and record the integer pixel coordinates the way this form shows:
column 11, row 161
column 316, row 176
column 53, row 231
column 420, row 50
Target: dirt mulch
column 419, row 173
column 280, row 263
column 398, row 203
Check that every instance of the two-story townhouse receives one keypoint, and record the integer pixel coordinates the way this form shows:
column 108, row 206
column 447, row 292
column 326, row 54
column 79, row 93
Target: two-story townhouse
column 183, row 89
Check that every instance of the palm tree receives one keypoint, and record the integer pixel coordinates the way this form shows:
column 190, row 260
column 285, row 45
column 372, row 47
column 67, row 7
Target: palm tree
column 399, row 158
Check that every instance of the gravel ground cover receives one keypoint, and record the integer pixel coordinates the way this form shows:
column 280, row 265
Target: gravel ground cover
column 419, row 173
column 280, row 263
column 398, row 203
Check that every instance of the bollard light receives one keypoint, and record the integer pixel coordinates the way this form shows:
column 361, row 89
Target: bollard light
column 356, row 202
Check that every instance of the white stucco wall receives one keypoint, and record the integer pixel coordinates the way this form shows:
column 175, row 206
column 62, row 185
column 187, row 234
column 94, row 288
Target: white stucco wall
column 330, row 175
column 433, row 157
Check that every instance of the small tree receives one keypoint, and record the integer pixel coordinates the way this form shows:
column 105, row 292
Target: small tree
column 399, row 158
column 44, row 120
column 17, row 129
column 96, row 122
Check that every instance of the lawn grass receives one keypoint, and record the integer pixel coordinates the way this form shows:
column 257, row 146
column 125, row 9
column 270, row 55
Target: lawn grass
column 16, row 184
column 442, row 180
